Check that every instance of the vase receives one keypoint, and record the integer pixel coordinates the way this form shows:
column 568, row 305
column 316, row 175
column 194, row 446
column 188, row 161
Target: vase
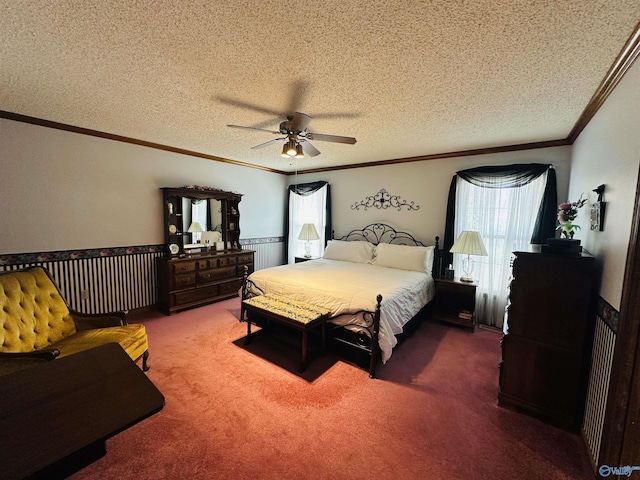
column 566, row 230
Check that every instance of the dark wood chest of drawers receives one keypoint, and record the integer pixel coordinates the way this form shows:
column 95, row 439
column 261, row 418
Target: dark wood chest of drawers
column 546, row 349
column 191, row 281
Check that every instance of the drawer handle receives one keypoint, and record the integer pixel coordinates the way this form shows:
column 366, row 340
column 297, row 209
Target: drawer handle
column 184, row 267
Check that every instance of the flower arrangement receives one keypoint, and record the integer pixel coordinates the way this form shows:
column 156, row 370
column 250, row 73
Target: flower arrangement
column 567, row 212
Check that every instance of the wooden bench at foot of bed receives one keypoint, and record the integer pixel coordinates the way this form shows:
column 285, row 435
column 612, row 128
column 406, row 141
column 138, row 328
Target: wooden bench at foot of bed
column 298, row 315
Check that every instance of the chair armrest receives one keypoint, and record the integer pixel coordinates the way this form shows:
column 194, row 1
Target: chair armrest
column 46, row 354
column 86, row 321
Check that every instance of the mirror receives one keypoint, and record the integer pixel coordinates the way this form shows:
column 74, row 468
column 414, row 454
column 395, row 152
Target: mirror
column 215, row 211
column 207, row 212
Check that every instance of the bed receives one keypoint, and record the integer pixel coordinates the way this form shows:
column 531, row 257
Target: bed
column 376, row 282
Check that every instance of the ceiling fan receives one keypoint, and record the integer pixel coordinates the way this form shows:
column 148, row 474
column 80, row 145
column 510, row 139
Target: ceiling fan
column 296, row 137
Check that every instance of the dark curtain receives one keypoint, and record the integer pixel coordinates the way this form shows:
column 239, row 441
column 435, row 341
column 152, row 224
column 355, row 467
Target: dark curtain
column 307, row 189
column 506, row 176
column 546, row 221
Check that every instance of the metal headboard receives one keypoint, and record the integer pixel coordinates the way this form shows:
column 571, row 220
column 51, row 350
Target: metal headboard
column 381, row 233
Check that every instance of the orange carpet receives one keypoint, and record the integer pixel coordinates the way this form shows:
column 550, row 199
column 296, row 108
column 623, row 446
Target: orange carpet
column 236, row 412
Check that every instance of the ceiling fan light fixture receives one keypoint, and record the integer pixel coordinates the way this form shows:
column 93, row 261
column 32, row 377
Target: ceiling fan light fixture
column 291, row 148
column 293, row 131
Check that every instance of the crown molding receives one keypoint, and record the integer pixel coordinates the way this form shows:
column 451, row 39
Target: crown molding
column 621, row 65
column 439, row 156
column 120, row 138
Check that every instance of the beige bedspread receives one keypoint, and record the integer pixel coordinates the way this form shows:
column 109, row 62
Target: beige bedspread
column 346, row 288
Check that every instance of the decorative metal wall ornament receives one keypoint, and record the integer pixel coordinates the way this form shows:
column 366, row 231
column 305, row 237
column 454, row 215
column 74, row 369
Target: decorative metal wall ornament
column 384, row 200
column 597, row 210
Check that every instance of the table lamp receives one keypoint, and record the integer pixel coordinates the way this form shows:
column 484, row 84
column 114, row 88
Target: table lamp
column 195, row 228
column 308, row 233
column 468, row 242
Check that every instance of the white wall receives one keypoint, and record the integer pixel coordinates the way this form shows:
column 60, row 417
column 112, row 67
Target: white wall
column 65, row 191
column 608, row 151
column 425, row 183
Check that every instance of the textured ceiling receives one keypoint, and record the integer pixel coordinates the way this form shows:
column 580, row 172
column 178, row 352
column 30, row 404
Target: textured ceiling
column 407, row 79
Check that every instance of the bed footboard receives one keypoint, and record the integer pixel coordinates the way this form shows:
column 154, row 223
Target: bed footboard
column 360, row 340
column 248, row 290
column 375, row 345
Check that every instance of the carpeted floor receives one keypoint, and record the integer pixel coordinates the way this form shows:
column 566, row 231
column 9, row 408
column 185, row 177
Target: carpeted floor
column 236, row 412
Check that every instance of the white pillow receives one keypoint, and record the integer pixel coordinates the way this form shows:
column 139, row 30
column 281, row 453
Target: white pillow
column 358, row 251
column 404, row 257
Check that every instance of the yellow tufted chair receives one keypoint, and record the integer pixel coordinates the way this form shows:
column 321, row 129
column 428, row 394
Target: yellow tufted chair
column 36, row 323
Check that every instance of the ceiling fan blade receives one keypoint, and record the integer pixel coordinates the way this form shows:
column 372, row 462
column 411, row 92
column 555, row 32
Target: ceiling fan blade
column 336, row 115
column 330, row 138
column 300, row 122
column 270, row 142
column 309, row 149
column 299, row 91
column 254, row 128
column 239, row 103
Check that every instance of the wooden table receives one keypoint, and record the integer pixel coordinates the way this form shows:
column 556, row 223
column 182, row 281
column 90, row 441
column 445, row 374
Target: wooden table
column 56, row 416
column 298, row 315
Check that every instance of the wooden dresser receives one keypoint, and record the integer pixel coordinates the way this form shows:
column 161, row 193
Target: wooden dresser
column 193, row 273
column 194, row 280
column 546, row 349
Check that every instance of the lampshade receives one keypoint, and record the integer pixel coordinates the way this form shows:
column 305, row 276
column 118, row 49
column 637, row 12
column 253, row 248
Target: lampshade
column 195, row 228
column 285, row 148
column 469, row 242
column 291, row 148
column 299, row 152
column 308, row 232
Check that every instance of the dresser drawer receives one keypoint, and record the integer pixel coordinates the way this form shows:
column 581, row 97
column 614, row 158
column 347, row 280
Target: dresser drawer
column 216, row 274
column 185, row 280
column 245, row 258
column 196, row 294
column 229, row 287
column 183, row 267
column 222, row 262
column 205, row 264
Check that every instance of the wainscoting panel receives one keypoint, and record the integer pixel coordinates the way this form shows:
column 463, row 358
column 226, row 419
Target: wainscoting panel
column 267, row 254
column 601, row 361
column 103, row 284
column 123, row 278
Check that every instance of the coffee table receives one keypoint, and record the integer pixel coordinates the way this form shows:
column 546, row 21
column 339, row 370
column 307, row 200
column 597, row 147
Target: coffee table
column 56, row 416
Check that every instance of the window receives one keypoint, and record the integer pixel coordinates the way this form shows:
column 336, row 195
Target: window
column 199, row 213
column 511, row 206
column 308, row 203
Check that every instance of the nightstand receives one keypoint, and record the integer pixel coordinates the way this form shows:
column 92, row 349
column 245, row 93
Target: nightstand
column 304, row 259
column 455, row 302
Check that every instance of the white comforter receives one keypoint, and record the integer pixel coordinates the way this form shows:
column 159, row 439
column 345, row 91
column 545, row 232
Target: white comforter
column 347, row 288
